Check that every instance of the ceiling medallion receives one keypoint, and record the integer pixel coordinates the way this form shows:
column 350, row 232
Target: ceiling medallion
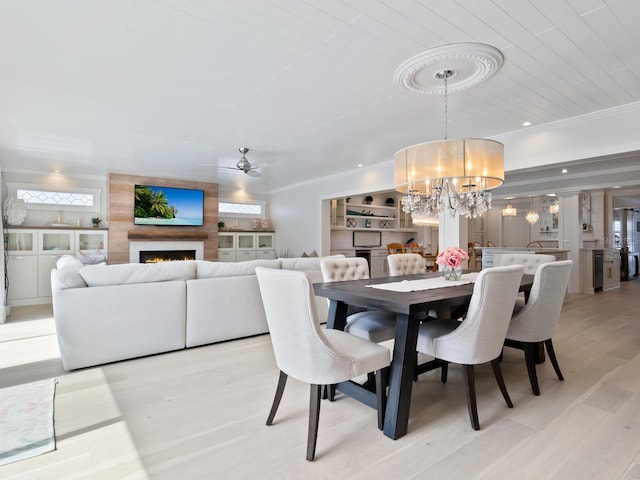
column 471, row 64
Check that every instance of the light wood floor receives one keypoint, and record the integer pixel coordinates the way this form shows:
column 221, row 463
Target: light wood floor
column 200, row 413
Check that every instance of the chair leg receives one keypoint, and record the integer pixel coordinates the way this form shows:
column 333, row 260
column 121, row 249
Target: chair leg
column 552, row 357
column 530, row 359
column 382, row 381
column 497, row 372
column 282, row 381
column 314, row 418
column 444, row 370
column 470, row 387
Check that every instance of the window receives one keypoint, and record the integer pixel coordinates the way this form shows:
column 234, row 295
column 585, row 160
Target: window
column 39, row 197
column 243, row 209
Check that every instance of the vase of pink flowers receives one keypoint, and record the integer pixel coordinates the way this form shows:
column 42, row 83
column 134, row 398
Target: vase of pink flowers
column 451, row 259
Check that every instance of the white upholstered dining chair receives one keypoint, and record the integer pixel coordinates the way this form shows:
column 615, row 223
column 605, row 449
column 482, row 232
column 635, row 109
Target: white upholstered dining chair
column 536, row 323
column 530, row 263
column 310, row 354
column 374, row 325
column 480, row 336
column 406, row 264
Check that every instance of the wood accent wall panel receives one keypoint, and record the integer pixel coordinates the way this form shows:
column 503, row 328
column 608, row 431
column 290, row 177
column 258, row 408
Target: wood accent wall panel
column 120, row 216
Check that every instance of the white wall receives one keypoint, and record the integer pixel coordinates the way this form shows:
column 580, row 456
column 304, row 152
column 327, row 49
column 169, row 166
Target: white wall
column 298, row 213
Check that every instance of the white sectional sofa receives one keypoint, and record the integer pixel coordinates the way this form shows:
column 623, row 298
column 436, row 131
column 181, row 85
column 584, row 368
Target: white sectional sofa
column 106, row 313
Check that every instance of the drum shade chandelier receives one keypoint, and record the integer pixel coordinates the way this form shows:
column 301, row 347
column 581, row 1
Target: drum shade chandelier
column 509, row 211
column 450, row 175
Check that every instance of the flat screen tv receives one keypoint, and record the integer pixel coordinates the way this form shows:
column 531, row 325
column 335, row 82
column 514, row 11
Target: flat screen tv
column 155, row 205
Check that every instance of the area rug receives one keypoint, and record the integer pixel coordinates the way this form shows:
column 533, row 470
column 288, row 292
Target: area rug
column 26, row 420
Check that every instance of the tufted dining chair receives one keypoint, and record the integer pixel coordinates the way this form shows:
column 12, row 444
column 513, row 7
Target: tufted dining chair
column 310, row 354
column 374, row 325
column 530, row 262
column 479, row 338
column 406, row 264
column 535, row 324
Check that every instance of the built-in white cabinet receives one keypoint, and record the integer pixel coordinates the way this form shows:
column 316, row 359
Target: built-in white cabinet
column 22, row 272
column 243, row 246
column 379, row 212
column 379, row 266
column 33, row 253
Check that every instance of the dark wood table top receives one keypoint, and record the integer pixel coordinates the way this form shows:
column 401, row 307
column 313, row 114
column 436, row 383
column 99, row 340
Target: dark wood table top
column 356, row 293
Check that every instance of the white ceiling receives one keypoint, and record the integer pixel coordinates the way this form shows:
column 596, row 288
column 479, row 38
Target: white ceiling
column 165, row 87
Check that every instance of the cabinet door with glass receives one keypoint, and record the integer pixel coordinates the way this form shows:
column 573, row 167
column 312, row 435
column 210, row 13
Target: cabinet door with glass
column 21, row 242
column 265, row 241
column 246, row 241
column 58, row 241
column 90, row 241
column 226, row 241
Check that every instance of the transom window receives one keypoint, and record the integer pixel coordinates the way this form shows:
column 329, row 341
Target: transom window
column 43, row 197
column 248, row 209
column 55, row 198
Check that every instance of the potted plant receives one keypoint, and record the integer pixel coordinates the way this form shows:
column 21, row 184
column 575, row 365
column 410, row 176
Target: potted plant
column 221, row 225
column 96, row 221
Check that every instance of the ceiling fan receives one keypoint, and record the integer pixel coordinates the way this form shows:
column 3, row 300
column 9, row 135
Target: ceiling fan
column 244, row 165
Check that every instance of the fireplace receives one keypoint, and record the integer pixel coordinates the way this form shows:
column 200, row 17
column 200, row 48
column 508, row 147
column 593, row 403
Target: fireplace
column 174, row 250
column 157, row 256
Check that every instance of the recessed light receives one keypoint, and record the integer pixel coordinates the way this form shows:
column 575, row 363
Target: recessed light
column 564, row 170
column 526, row 124
column 617, row 186
column 360, row 165
column 56, row 171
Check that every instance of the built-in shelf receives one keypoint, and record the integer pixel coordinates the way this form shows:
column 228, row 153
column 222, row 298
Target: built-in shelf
column 166, row 235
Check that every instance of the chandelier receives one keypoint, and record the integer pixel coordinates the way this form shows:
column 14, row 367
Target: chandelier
column 425, row 220
column 531, row 216
column 452, row 176
column 509, row 211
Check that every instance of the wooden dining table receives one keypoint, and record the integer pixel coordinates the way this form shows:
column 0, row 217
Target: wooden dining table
column 408, row 307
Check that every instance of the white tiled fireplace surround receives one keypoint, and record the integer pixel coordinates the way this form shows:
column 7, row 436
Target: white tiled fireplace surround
column 136, row 247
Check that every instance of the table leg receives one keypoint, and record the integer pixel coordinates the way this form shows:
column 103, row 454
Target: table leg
column 337, row 315
column 396, row 418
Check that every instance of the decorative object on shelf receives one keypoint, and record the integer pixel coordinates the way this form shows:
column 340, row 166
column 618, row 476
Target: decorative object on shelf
column 449, row 175
column 509, row 211
column 451, row 259
column 384, row 224
column 368, row 199
column 265, row 223
column 351, row 223
column 390, row 202
column 532, row 216
column 221, row 225
column 96, row 221
column 256, row 224
column 15, row 211
column 367, row 223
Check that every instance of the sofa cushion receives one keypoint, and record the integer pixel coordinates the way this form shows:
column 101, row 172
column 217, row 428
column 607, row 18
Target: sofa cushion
column 126, row 273
column 91, row 258
column 205, row 269
column 68, row 272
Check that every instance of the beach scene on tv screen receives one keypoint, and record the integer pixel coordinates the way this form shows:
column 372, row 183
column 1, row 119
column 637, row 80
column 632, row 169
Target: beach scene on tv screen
column 167, row 206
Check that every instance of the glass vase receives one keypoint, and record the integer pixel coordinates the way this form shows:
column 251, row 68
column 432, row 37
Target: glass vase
column 452, row 273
